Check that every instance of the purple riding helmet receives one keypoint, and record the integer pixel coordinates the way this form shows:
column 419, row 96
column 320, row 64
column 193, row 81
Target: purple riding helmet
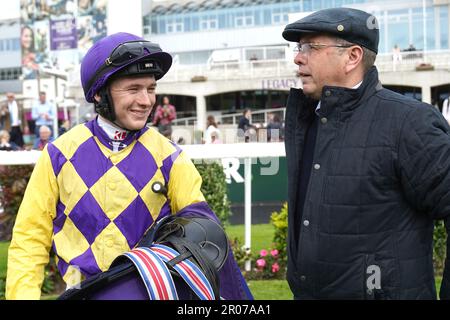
column 118, row 55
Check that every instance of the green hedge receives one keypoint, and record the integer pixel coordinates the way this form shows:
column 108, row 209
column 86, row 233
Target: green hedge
column 214, row 188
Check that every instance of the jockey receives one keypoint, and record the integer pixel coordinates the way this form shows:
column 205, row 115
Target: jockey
column 90, row 196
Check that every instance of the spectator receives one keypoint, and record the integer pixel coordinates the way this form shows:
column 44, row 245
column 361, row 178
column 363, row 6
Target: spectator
column 244, row 127
column 275, row 129
column 65, row 126
column 164, row 116
column 44, row 138
column 396, row 56
column 5, row 143
column 215, row 138
column 15, row 131
column 4, row 119
column 211, row 127
column 42, row 112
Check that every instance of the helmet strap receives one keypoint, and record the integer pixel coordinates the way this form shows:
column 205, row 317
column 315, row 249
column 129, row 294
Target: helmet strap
column 105, row 108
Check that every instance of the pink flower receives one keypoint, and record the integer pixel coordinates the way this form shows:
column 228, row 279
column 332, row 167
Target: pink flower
column 263, row 253
column 261, row 263
column 275, row 267
column 274, row 252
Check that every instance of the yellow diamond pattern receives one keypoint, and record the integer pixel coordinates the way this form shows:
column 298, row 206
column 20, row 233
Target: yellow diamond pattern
column 71, row 187
column 159, row 147
column 153, row 201
column 73, row 276
column 121, row 193
column 109, row 244
column 71, row 140
column 70, row 242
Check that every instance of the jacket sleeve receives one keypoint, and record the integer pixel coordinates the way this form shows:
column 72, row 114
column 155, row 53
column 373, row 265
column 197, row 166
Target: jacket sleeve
column 424, row 161
column 184, row 184
column 32, row 234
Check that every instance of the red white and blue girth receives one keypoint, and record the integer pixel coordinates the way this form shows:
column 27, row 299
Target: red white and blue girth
column 151, row 264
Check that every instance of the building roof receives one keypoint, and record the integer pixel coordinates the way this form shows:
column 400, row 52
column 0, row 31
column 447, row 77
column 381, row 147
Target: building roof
column 173, row 7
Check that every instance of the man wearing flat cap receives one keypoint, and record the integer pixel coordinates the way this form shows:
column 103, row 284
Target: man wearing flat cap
column 368, row 170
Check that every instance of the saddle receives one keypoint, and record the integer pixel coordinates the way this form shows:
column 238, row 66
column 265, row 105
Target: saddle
column 177, row 258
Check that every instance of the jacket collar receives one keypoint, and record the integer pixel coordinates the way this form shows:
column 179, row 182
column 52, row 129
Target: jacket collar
column 343, row 99
column 347, row 99
column 107, row 141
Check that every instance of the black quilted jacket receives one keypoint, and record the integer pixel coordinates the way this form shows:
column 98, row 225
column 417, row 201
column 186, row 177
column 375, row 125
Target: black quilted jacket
column 379, row 179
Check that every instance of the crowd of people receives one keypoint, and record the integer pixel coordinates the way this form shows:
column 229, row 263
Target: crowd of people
column 13, row 130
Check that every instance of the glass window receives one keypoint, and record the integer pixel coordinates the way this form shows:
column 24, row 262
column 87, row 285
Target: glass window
column 275, row 53
column 1, row 45
column 398, row 26
column 162, row 25
column 307, row 5
column 277, row 18
column 244, row 20
column 187, row 23
column 208, row 23
column 257, row 16
column 267, row 17
column 195, row 23
column 154, row 26
column 431, row 39
column 16, row 44
column 444, row 27
column 418, row 29
column 254, row 54
column 222, row 21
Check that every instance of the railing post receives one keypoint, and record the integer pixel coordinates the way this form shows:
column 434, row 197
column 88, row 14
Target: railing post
column 248, row 208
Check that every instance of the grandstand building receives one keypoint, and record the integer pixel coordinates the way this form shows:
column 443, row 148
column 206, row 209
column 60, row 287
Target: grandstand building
column 229, row 55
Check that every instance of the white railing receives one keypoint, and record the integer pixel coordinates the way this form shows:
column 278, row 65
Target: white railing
column 413, row 60
column 439, row 59
column 258, row 116
column 230, row 71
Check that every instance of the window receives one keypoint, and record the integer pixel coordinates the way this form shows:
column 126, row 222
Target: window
column 208, row 23
column 275, row 53
column 10, row 74
column 280, row 15
column 244, row 20
column 222, row 21
column 174, row 26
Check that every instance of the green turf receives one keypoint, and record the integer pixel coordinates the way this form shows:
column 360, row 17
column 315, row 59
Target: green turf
column 270, row 289
column 262, row 235
column 3, row 258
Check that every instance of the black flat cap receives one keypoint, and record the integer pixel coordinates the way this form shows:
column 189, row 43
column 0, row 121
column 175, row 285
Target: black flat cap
column 353, row 25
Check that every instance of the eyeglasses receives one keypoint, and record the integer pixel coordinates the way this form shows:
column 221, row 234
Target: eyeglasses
column 130, row 50
column 306, row 47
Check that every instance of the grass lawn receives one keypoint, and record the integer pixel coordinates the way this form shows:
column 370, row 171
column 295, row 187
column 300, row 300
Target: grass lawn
column 3, row 258
column 262, row 235
column 270, row 289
